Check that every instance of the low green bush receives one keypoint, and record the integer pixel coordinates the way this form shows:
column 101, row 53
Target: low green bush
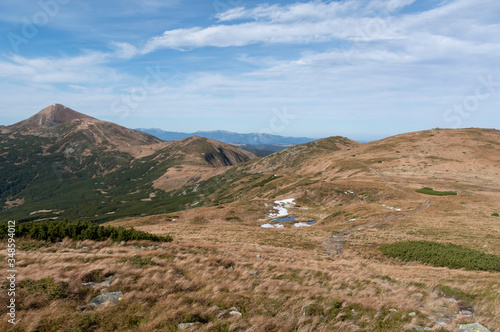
column 430, row 191
column 445, row 255
column 51, row 231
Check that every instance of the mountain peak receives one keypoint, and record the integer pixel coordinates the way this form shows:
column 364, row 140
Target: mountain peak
column 56, row 114
column 48, row 118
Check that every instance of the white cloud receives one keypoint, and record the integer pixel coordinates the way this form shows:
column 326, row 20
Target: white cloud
column 351, row 20
column 124, row 50
column 87, row 68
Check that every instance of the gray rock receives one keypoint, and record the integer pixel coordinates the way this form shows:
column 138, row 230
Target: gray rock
column 476, row 327
column 255, row 273
column 183, row 326
column 442, row 321
column 293, row 260
column 103, row 284
column 421, row 328
column 466, row 312
column 236, row 314
column 258, row 256
column 412, row 314
column 113, row 297
column 392, row 310
column 450, row 299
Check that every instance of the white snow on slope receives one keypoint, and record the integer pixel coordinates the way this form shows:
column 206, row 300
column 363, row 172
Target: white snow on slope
column 272, row 226
column 281, row 206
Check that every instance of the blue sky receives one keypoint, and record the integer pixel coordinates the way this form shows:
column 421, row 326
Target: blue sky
column 364, row 69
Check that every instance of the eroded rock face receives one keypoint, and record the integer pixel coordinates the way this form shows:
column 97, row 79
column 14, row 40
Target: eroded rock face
column 476, row 327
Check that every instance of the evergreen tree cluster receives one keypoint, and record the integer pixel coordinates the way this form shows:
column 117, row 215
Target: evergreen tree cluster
column 52, row 231
column 444, row 255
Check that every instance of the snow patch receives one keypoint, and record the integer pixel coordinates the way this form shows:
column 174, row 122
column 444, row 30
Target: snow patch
column 271, row 226
column 391, row 207
column 282, row 207
column 301, row 224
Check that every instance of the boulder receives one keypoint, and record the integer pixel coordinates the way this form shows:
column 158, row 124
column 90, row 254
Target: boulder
column 476, row 327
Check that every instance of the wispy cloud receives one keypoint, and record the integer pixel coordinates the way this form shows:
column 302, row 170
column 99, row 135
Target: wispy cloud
column 88, row 68
column 319, row 22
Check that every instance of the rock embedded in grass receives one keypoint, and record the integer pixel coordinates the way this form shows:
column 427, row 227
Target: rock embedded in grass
column 113, row 297
column 476, row 327
column 183, row 326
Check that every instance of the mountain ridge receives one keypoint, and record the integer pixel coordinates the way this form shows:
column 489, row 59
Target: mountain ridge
column 230, row 137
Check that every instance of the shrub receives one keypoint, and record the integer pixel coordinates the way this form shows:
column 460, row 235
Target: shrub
column 430, row 191
column 52, row 231
column 445, row 255
column 495, row 214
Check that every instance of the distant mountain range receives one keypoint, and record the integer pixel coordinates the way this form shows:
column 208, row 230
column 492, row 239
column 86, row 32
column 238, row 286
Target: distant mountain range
column 229, row 137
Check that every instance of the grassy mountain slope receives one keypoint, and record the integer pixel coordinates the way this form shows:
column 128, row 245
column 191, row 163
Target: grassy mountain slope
column 60, row 163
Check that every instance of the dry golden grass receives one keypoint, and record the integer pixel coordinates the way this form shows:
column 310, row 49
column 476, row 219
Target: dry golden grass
column 296, row 283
